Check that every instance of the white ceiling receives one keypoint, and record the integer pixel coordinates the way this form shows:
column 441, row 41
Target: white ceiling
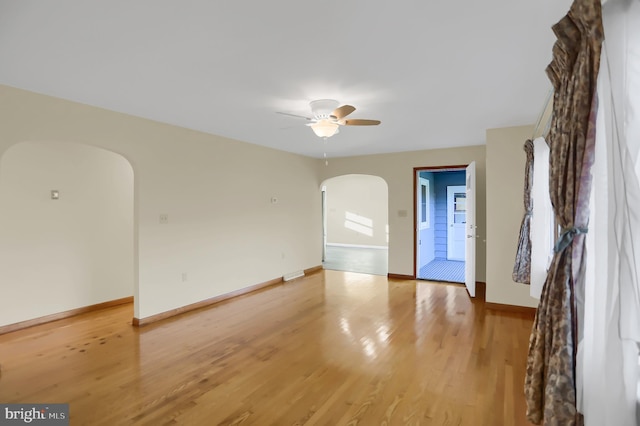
column 437, row 74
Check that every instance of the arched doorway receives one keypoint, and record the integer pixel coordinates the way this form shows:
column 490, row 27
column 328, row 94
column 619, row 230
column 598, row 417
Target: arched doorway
column 66, row 229
column 355, row 224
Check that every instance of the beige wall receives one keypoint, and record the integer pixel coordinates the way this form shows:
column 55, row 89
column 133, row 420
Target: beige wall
column 223, row 232
column 357, row 210
column 398, row 171
column 505, row 183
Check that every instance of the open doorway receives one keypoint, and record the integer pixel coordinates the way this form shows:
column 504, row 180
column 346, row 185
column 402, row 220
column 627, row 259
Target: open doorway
column 66, row 229
column 441, row 218
column 355, row 224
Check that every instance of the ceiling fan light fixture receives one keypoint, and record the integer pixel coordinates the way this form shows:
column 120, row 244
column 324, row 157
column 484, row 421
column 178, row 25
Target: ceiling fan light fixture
column 324, row 128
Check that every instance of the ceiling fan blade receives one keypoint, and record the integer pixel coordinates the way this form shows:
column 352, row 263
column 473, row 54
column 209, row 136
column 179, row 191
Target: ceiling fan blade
column 361, row 122
column 299, row 126
column 343, row 111
column 294, row 115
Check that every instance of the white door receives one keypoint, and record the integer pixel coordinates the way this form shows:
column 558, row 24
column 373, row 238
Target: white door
column 424, row 248
column 471, row 230
column 456, row 221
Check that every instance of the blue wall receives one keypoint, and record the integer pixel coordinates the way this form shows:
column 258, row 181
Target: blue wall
column 442, row 180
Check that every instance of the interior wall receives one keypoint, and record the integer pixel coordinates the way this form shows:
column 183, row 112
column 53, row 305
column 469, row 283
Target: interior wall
column 397, row 170
column 357, row 210
column 505, row 185
column 223, row 231
column 58, row 255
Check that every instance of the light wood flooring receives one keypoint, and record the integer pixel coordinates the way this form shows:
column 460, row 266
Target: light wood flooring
column 333, row 348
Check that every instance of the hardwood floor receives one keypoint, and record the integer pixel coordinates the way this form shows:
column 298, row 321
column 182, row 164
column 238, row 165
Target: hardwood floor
column 334, row 348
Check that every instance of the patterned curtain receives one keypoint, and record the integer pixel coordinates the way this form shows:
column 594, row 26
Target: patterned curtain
column 550, row 383
column 522, row 268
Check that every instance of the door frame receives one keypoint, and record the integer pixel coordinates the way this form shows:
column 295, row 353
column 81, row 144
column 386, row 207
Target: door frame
column 416, row 227
column 323, row 197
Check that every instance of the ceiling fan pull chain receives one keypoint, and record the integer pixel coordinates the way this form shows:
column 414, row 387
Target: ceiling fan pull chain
column 326, row 161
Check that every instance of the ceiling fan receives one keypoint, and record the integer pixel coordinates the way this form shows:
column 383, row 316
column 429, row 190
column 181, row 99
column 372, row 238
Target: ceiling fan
column 327, row 117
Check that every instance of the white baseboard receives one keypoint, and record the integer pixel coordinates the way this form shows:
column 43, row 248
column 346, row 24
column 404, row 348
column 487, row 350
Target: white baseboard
column 358, row 246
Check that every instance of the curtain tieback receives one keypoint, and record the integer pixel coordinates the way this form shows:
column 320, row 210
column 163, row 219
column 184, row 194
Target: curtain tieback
column 567, row 236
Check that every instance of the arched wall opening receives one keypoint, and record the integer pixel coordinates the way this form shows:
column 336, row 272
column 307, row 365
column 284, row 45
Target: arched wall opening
column 67, row 229
column 356, row 223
